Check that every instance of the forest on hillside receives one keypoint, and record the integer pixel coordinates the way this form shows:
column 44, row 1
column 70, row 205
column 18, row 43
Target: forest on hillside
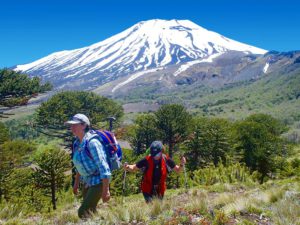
column 223, row 155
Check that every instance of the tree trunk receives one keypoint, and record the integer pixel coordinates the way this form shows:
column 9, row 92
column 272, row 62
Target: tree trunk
column 262, row 178
column 53, row 199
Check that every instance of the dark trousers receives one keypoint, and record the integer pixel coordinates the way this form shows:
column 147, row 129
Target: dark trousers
column 91, row 197
column 155, row 194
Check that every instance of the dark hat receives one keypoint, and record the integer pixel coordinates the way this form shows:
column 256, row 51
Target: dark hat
column 156, row 147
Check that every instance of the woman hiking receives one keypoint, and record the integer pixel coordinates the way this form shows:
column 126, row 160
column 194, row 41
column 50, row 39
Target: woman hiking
column 92, row 170
column 156, row 167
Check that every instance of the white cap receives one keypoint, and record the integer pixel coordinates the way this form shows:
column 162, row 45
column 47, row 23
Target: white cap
column 78, row 118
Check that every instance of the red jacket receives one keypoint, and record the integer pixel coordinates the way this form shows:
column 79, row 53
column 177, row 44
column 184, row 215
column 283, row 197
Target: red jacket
column 147, row 179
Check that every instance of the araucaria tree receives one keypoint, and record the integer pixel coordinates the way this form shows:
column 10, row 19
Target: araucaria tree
column 17, row 88
column 173, row 121
column 210, row 142
column 49, row 175
column 12, row 154
column 143, row 132
column 62, row 106
column 259, row 141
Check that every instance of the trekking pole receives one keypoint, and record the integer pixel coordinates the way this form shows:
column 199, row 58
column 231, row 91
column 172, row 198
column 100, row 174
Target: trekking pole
column 111, row 120
column 124, row 180
column 185, row 179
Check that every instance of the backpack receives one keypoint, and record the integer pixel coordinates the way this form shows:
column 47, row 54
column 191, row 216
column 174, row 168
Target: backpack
column 112, row 148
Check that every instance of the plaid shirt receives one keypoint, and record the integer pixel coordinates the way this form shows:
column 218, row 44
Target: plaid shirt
column 94, row 167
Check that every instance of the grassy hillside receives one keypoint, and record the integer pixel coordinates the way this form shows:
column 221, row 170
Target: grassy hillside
column 213, row 204
column 277, row 94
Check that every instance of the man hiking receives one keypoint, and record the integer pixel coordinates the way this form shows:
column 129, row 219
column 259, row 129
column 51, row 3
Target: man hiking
column 156, row 167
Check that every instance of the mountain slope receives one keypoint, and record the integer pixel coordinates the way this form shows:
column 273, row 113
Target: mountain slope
column 146, row 45
column 274, row 91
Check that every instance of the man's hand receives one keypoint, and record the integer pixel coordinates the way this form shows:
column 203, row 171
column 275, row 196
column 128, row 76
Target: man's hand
column 179, row 167
column 182, row 161
column 130, row 168
column 126, row 166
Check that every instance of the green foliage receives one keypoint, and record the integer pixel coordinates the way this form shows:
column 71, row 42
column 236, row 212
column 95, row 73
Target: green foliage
column 210, row 142
column 273, row 125
column 286, row 168
column 52, row 163
column 173, row 121
column 132, row 180
column 277, row 94
column 23, row 191
column 64, row 105
column 220, row 218
column 143, row 133
column 12, row 154
column 17, row 88
column 258, row 138
column 235, row 173
column 4, row 133
column 23, row 128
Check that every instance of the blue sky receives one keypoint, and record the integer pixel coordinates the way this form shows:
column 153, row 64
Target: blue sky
column 32, row 29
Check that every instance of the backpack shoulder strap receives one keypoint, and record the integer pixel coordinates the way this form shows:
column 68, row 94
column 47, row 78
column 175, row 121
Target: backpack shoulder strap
column 90, row 135
column 165, row 158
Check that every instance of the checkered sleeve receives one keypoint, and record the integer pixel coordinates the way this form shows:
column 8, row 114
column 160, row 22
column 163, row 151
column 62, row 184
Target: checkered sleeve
column 99, row 155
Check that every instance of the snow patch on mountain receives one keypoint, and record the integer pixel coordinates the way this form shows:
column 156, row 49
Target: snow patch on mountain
column 133, row 77
column 189, row 64
column 266, row 67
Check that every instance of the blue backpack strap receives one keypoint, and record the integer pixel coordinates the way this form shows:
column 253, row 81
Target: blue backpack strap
column 87, row 142
column 87, row 150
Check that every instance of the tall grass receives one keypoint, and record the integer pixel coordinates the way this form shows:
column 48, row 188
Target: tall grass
column 275, row 201
column 287, row 210
column 236, row 173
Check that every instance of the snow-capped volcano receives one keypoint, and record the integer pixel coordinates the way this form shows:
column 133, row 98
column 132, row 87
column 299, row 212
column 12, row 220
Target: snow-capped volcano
column 146, row 45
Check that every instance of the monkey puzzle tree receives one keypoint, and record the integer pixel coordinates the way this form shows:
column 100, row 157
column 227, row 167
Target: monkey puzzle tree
column 259, row 141
column 12, row 155
column 173, row 121
column 143, row 132
column 60, row 107
column 17, row 88
column 52, row 163
column 210, row 142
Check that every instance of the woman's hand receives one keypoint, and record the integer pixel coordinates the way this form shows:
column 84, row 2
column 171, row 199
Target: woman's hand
column 76, row 184
column 105, row 195
column 105, row 190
